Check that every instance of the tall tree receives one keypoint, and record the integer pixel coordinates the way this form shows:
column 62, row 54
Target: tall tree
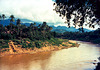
column 31, row 25
column 11, row 20
column 0, row 17
column 3, row 16
column 18, row 25
column 34, row 24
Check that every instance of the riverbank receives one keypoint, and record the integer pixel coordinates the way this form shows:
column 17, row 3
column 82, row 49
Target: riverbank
column 17, row 49
column 81, row 58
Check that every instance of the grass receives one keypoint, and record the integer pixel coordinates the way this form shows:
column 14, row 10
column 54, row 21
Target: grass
column 64, row 45
column 4, row 44
column 73, row 44
column 39, row 44
column 5, row 50
column 57, row 41
column 35, row 43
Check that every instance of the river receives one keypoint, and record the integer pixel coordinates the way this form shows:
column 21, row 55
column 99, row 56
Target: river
column 81, row 58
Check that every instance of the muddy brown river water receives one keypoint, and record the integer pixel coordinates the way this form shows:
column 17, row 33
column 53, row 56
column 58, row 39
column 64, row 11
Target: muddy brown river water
column 81, row 58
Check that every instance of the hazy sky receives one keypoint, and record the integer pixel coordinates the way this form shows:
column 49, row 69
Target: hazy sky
column 36, row 10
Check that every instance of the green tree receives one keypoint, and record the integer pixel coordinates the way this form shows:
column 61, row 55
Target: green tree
column 34, row 24
column 31, row 25
column 18, row 26
column 12, row 18
column 11, row 21
column 1, row 28
column 3, row 16
column 0, row 17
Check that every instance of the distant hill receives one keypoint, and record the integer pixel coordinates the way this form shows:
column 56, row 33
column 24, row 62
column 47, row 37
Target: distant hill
column 59, row 29
column 62, row 29
column 23, row 21
column 6, row 22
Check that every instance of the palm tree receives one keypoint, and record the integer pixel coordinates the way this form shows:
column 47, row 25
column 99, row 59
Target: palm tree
column 3, row 16
column 0, row 17
column 18, row 21
column 12, row 20
column 34, row 24
column 44, row 25
column 31, row 25
column 18, row 25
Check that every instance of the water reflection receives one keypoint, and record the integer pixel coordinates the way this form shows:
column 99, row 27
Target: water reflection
column 36, row 61
column 67, row 59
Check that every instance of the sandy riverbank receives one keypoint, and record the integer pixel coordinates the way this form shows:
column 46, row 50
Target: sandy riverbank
column 14, row 49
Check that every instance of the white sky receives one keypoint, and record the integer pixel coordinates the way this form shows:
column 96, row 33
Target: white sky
column 36, row 10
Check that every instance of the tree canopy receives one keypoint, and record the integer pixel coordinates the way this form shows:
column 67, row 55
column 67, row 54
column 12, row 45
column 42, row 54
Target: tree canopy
column 19, row 31
column 85, row 12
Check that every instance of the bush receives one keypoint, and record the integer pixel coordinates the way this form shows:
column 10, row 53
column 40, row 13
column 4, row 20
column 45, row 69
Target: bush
column 66, row 40
column 16, row 41
column 64, row 45
column 30, row 45
column 5, row 46
column 97, row 41
column 6, row 36
column 55, row 41
column 73, row 44
column 4, row 42
column 38, row 44
column 24, row 45
column 5, row 50
column 1, row 41
column 27, row 39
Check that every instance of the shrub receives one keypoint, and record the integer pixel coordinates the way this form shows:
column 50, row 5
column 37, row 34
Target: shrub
column 5, row 50
column 24, row 45
column 30, row 45
column 6, row 36
column 55, row 41
column 97, row 41
column 5, row 46
column 64, row 45
column 73, row 44
column 27, row 39
column 38, row 44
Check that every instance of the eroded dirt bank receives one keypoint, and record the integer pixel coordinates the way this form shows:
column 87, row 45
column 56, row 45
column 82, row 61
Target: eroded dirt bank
column 17, row 49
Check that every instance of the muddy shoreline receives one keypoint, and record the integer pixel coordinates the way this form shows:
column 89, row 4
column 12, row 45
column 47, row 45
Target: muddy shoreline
column 48, row 48
column 32, row 51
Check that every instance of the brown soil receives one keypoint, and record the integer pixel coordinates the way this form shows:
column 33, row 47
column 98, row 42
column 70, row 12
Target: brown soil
column 16, row 49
